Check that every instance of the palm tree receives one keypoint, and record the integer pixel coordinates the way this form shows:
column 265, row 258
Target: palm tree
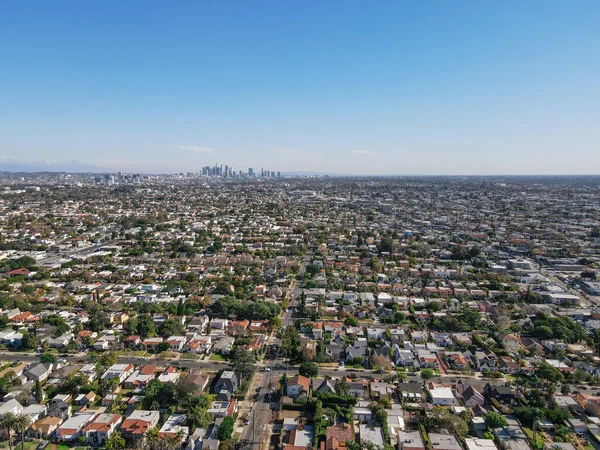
column 7, row 422
column 21, row 425
column 536, row 415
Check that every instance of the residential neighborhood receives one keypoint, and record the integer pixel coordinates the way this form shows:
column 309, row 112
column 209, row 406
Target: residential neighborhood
column 200, row 312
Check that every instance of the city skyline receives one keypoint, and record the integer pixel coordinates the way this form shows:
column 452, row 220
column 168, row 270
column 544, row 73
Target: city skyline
column 384, row 88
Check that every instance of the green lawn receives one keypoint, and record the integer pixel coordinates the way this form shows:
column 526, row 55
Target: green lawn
column 216, row 357
column 29, row 445
column 539, row 444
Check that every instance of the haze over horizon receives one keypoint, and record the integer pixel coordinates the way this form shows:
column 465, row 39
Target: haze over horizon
column 350, row 87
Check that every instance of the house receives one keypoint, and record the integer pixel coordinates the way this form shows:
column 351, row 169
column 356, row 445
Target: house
column 484, row 362
column 336, row 436
column 141, row 377
column 174, row 427
column 577, row 425
column 375, row 333
column 500, row 393
column 511, row 437
column 442, row 339
column 297, row 385
column 198, row 324
column 176, row 343
column 135, row 426
column 471, row 397
column 224, row 345
column 132, row 341
column 39, row 372
column 35, row 411
column 326, row 386
column 44, row 427
column 410, row 440
column 511, row 342
column 120, row 371
column 410, row 391
column 84, row 399
column 228, row 381
column 355, row 351
column 566, row 402
column 559, row 446
column 442, row 395
column 299, row 439
column 11, row 406
column 223, row 408
column 441, row 441
column 15, row 370
column 169, row 375
column 152, row 343
column 107, row 341
column 379, row 390
column 99, row 429
column 72, row 428
column 219, row 324
column 508, row 365
column 403, row 358
column 60, row 409
column 418, row 336
column 197, row 379
column 198, row 345
column 480, row 444
column 369, row 433
column 457, row 360
column 359, row 389
column 362, row 412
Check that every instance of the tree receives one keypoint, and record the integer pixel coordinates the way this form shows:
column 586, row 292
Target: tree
column 549, row 373
column 386, row 245
column 180, row 308
column 307, row 354
column 494, row 420
column 115, row 442
column 200, row 418
column 38, row 393
column 563, row 432
column 308, row 369
column 426, row 373
column 29, row 341
column 290, row 342
column 108, row 385
column 172, row 327
column 243, row 362
column 7, row 422
column 382, row 363
column 47, row 358
column 274, row 323
column 109, row 358
column 341, row 387
column 226, row 445
column 441, row 419
column 351, row 321
column 225, row 429
column 163, row 347
column 21, row 425
column 146, row 327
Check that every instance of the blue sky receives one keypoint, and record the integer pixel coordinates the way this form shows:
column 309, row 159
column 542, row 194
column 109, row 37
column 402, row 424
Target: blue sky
column 365, row 87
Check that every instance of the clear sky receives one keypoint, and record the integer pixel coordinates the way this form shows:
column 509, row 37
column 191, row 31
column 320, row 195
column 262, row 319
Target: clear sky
column 365, row 87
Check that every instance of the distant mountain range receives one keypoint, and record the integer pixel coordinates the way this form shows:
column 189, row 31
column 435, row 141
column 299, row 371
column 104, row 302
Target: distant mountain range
column 9, row 164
